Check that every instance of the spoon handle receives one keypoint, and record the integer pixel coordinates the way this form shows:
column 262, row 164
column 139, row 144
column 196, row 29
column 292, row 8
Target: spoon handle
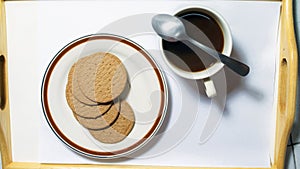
column 235, row 65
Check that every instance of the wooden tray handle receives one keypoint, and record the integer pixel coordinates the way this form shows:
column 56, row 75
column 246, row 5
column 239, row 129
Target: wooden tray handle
column 5, row 143
column 3, row 63
column 288, row 70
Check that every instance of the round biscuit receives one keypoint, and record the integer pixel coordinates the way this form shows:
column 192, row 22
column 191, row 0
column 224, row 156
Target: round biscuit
column 120, row 129
column 82, row 109
column 75, row 89
column 115, row 76
column 101, row 77
column 102, row 122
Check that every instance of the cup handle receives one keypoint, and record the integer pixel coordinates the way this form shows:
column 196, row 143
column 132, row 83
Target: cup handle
column 210, row 88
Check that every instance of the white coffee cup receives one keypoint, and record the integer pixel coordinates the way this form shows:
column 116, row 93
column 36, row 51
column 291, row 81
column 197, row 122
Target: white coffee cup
column 215, row 67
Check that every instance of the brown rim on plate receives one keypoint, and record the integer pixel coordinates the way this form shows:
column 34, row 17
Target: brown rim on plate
column 61, row 135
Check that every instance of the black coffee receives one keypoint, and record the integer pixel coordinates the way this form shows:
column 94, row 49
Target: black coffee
column 202, row 28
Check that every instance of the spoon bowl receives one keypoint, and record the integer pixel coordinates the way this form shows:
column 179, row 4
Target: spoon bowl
column 169, row 30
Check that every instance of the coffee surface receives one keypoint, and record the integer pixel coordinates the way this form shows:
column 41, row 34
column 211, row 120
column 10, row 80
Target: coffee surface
column 205, row 30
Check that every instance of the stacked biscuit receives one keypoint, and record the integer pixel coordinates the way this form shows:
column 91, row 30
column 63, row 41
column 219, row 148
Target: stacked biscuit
column 94, row 92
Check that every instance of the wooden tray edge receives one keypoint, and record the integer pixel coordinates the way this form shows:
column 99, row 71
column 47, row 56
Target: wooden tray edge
column 285, row 108
column 287, row 85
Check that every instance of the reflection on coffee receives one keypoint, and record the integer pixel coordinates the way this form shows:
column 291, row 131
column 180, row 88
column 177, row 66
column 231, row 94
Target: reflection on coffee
column 205, row 30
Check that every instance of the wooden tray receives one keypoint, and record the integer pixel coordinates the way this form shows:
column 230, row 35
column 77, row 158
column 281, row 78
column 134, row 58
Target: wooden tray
column 285, row 101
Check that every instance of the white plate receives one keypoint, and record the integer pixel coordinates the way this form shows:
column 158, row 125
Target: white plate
column 147, row 95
